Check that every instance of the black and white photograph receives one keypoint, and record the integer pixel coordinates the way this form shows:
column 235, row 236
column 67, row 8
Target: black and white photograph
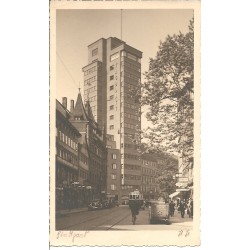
column 124, row 110
column 125, row 123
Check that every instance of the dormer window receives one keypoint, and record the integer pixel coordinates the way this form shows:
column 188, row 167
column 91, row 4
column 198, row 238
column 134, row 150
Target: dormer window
column 77, row 118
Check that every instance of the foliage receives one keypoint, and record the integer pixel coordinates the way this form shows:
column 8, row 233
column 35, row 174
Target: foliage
column 167, row 94
column 167, row 184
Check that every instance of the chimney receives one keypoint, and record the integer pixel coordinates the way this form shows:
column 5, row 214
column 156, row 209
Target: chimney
column 64, row 102
column 72, row 105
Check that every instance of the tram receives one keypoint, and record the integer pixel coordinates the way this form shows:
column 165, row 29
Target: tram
column 136, row 197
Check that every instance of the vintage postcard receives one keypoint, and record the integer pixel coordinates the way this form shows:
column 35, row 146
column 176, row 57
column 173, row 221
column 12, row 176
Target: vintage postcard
column 124, row 123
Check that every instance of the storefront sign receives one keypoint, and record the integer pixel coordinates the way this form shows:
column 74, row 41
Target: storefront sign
column 182, row 189
column 183, row 179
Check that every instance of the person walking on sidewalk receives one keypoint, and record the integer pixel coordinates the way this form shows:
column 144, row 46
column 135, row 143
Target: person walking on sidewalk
column 134, row 207
column 182, row 208
column 171, row 208
column 191, row 208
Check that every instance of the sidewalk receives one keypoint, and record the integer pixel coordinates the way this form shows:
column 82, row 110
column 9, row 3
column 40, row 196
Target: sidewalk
column 178, row 219
column 71, row 211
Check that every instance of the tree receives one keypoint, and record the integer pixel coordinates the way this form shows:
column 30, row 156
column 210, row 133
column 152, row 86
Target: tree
column 168, row 95
column 167, row 184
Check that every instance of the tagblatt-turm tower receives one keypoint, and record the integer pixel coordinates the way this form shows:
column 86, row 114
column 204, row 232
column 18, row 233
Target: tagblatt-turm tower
column 113, row 73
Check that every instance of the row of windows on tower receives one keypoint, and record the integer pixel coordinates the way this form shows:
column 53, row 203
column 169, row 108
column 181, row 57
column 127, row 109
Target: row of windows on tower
column 90, row 80
column 124, row 54
column 131, row 66
column 89, row 71
column 129, row 75
column 124, row 125
column 90, row 90
column 131, row 116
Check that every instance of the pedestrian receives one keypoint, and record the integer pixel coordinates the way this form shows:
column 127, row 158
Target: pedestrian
column 134, row 207
column 182, row 208
column 191, row 208
column 188, row 209
column 171, row 208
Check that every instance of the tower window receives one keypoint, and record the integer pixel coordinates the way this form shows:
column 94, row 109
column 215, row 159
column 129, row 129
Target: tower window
column 114, row 56
column 111, row 78
column 113, row 176
column 94, row 52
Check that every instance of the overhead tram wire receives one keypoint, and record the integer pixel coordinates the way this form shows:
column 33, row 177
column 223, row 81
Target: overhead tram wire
column 66, row 68
column 121, row 24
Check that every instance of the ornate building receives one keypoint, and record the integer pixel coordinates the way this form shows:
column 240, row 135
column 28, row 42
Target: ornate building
column 67, row 137
column 93, row 145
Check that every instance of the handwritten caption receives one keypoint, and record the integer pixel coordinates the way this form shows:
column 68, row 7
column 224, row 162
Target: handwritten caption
column 183, row 233
column 71, row 235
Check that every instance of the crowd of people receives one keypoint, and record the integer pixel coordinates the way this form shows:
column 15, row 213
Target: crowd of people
column 182, row 206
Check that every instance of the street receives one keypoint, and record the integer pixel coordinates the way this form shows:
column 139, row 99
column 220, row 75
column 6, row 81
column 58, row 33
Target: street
column 117, row 218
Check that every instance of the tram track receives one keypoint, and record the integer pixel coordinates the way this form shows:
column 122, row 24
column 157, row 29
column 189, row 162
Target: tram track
column 103, row 223
column 117, row 222
column 115, row 215
column 79, row 223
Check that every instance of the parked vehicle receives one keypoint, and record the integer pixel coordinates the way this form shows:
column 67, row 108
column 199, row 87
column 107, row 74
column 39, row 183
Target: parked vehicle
column 158, row 212
column 94, row 205
column 107, row 204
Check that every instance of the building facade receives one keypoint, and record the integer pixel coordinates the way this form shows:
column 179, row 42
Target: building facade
column 66, row 147
column 93, row 145
column 149, row 188
column 111, row 78
column 67, row 160
column 113, row 170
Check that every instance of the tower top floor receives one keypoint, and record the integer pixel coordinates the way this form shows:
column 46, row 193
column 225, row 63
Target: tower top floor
column 98, row 50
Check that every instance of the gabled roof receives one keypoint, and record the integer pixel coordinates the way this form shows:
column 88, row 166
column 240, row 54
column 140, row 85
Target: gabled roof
column 79, row 109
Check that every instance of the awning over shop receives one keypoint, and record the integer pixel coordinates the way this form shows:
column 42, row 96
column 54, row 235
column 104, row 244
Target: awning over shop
column 173, row 194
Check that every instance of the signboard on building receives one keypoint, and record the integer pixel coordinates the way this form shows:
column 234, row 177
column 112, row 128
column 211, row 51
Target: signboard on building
column 183, row 179
column 180, row 184
column 182, row 189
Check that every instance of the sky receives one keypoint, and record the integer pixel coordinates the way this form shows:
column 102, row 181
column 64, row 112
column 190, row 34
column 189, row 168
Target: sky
column 141, row 29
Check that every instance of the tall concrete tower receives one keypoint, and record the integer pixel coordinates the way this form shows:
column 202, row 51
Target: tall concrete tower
column 112, row 73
